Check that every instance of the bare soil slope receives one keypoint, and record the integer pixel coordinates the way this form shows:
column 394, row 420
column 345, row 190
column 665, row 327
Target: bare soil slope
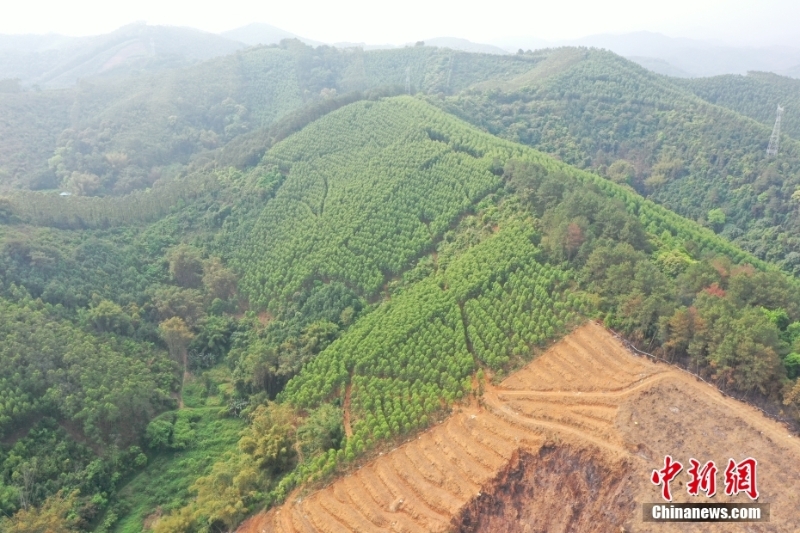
column 565, row 444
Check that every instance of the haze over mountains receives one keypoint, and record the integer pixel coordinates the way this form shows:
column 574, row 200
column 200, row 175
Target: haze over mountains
column 695, row 58
column 671, row 56
column 260, row 33
column 52, row 61
column 58, row 61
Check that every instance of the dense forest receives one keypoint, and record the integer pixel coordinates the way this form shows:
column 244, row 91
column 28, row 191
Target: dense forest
column 112, row 136
column 756, row 95
column 598, row 111
column 686, row 144
column 202, row 328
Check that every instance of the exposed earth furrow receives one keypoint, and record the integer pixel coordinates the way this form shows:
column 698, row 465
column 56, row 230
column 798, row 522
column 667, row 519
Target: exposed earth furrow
column 565, row 444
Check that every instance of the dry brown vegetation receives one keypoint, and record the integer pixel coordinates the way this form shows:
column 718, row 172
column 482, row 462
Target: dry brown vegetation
column 565, row 444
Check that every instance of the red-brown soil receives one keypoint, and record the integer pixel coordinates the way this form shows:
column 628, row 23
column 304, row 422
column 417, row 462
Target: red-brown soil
column 565, row 444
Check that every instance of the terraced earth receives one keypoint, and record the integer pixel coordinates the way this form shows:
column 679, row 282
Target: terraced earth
column 565, row 444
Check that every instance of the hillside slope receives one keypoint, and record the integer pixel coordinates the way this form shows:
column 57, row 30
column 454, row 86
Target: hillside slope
column 589, row 108
column 584, row 423
column 596, row 110
column 367, row 199
column 387, row 256
column 113, row 136
column 494, row 290
column 756, row 95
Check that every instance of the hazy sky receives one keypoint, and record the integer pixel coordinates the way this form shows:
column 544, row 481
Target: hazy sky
column 732, row 21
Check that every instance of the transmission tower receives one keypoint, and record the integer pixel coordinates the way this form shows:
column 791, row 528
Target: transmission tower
column 408, row 80
column 775, row 138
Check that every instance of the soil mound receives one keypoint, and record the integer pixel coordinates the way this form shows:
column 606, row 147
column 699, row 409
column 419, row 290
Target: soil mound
column 565, row 444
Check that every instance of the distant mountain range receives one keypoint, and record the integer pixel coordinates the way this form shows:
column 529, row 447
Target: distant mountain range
column 51, row 61
column 258, row 33
column 465, row 45
column 678, row 56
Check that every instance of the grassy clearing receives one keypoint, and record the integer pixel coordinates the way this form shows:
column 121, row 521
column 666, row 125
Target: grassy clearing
column 164, row 484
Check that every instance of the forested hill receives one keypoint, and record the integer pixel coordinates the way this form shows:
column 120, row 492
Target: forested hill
column 590, row 108
column 288, row 320
column 538, row 244
column 113, row 136
column 597, row 110
column 756, row 95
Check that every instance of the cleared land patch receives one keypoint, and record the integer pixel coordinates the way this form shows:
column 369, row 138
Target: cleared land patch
column 565, row 444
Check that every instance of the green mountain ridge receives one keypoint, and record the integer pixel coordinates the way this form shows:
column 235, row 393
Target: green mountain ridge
column 756, row 95
column 599, row 111
column 111, row 137
column 588, row 107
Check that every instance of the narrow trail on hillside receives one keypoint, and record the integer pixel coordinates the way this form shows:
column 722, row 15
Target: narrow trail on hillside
column 348, row 429
column 185, row 376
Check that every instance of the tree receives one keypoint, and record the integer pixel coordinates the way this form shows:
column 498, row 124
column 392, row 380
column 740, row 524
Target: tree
column 792, row 364
column 317, row 336
column 716, row 218
column 185, row 266
column 159, row 431
column 54, row 516
column 214, row 336
column 84, row 183
column 677, row 331
column 108, row 316
column 177, row 336
column 743, row 349
column 172, row 301
column 574, row 239
column 180, row 521
column 322, row 431
column 621, row 171
column 218, row 281
column 270, row 438
column 6, row 209
column 223, row 498
column 792, row 397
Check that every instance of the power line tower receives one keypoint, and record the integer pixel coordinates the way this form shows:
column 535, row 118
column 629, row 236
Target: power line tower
column 775, row 138
column 408, row 80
